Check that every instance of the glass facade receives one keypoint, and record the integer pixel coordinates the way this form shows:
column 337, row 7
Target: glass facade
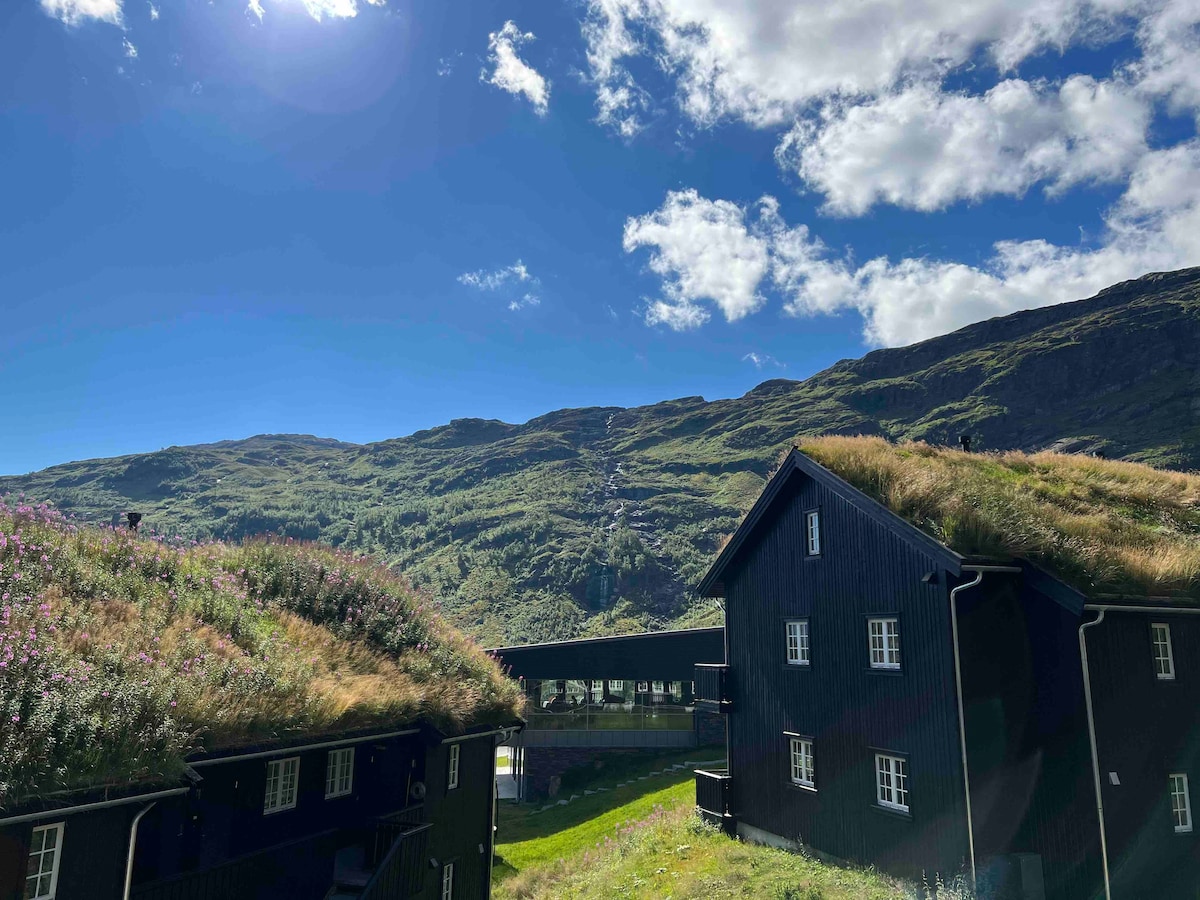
column 575, row 704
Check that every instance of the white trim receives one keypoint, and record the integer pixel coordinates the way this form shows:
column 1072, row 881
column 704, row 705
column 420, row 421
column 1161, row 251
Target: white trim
column 812, row 533
column 889, row 642
column 339, row 772
column 300, row 748
column 894, row 793
column 802, row 767
column 1180, row 780
column 55, row 854
column 277, row 799
column 447, row 881
column 802, row 645
column 1162, row 673
column 86, row 807
column 452, row 767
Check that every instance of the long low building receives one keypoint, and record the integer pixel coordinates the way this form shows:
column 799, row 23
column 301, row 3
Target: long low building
column 629, row 691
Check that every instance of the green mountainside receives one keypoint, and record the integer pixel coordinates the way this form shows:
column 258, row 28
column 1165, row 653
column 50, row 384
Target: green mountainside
column 600, row 520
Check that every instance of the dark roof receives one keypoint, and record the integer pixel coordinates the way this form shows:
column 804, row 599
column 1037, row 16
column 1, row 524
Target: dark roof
column 665, row 655
column 797, row 463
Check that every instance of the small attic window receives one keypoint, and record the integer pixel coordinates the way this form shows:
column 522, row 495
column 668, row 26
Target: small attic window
column 812, row 533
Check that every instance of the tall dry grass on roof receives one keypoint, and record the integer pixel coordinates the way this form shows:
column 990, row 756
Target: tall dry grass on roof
column 1101, row 525
column 122, row 655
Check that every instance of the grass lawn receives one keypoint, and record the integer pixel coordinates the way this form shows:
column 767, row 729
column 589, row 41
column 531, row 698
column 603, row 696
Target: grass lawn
column 645, row 841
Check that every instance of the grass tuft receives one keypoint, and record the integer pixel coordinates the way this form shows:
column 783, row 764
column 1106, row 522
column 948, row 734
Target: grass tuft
column 1103, row 526
column 121, row 655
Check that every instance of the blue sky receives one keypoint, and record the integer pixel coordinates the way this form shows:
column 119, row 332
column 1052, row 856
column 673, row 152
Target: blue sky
column 357, row 220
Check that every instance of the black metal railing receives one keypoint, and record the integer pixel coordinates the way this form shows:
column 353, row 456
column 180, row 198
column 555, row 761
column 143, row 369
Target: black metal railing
column 712, row 686
column 712, row 791
column 281, row 869
column 401, row 872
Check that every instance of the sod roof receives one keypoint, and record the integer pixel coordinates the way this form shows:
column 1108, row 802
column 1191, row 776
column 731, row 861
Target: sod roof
column 122, row 656
column 1103, row 526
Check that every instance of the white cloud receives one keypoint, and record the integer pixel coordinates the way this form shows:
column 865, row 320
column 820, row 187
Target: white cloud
column 74, row 12
column 446, row 64
column 515, row 282
column 924, row 148
column 1171, row 62
column 510, row 72
column 130, row 50
column 256, row 7
column 332, row 9
column 762, row 360
column 1155, row 226
column 154, row 12
column 762, row 60
column 702, row 250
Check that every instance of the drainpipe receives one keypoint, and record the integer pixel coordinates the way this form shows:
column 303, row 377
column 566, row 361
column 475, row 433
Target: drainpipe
column 133, row 830
column 958, row 690
column 1091, row 721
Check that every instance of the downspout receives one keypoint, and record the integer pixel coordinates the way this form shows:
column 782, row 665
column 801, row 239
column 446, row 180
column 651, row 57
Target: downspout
column 133, row 830
column 958, row 691
column 1091, row 721
column 962, row 719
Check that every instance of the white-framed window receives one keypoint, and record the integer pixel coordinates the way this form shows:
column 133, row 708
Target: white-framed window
column 41, row 875
column 1181, row 803
column 676, row 691
column 797, row 642
column 282, row 777
column 452, row 772
column 812, row 533
column 597, row 690
column 643, row 687
column 617, row 687
column 448, row 881
column 802, row 768
column 1164, row 659
column 884, row 636
column 339, row 773
column 891, row 781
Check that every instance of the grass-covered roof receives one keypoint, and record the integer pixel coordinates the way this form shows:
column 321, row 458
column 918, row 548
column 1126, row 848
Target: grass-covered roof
column 120, row 656
column 1103, row 526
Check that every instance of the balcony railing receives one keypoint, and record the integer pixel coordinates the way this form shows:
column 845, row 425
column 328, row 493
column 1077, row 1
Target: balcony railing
column 401, row 872
column 712, row 687
column 713, row 796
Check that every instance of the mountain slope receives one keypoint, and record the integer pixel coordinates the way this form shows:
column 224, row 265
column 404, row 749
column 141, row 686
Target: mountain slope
column 600, row 519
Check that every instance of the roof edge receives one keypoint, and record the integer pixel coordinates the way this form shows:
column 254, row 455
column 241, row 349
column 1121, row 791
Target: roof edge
column 500, row 651
column 797, row 461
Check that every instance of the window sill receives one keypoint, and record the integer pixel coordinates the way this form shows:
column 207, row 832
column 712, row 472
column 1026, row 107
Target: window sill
column 902, row 815
column 882, row 670
column 804, row 788
column 798, row 667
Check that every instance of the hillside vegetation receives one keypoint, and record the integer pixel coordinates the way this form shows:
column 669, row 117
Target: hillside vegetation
column 601, row 520
column 119, row 656
column 645, row 841
column 1103, row 525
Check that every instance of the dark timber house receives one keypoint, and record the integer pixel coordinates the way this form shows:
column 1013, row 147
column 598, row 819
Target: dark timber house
column 894, row 702
column 631, row 691
column 268, row 720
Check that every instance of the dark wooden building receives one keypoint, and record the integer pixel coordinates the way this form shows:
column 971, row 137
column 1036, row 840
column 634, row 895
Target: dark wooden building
column 892, row 702
column 402, row 813
column 630, row 691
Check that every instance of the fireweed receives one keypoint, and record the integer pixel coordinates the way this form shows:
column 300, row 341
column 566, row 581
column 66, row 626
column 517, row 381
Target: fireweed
column 120, row 654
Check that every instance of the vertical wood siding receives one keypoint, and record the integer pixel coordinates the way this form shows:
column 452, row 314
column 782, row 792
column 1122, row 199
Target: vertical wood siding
column 1147, row 729
column 1031, row 775
column 849, row 709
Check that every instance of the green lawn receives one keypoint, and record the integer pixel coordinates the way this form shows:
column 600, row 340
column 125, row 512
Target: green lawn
column 645, row 841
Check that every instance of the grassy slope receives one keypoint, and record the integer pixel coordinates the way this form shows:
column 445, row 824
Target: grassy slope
column 644, row 841
column 1103, row 525
column 119, row 655
column 597, row 520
